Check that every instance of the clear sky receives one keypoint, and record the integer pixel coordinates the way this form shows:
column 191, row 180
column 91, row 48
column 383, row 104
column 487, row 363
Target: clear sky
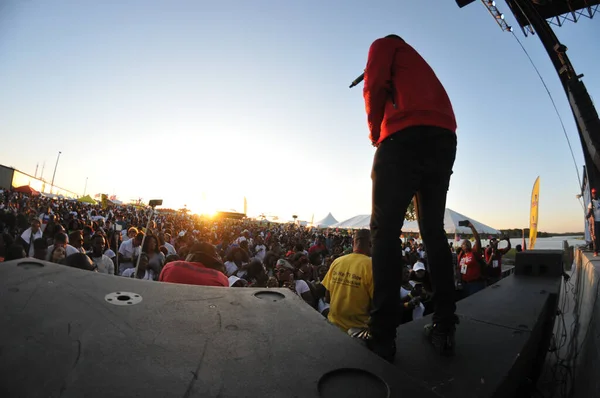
column 205, row 102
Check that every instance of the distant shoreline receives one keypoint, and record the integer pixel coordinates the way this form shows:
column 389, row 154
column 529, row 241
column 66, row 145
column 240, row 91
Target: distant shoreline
column 518, row 233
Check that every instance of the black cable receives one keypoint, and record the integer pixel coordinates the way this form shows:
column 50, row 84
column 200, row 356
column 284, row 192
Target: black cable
column 553, row 104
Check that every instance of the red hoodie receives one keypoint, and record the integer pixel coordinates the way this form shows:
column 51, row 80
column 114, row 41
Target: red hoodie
column 395, row 67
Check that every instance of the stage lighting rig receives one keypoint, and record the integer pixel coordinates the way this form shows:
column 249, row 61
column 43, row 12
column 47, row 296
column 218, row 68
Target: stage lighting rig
column 498, row 16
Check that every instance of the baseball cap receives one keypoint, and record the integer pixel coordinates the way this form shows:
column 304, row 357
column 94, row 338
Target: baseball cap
column 419, row 266
column 233, row 279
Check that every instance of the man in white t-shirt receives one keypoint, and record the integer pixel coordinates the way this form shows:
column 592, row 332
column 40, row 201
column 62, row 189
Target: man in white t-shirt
column 260, row 249
column 170, row 248
column 128, row 250
column 102, row 262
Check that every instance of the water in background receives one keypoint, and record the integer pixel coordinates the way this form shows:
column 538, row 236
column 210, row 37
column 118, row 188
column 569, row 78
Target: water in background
column 554, row 243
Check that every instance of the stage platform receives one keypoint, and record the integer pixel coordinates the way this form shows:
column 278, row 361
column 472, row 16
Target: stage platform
column 497, row 339
column 62, row 336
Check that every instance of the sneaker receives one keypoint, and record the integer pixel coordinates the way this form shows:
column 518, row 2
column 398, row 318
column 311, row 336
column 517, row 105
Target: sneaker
column 360, row 333
column 386, row 349
column 441, row 336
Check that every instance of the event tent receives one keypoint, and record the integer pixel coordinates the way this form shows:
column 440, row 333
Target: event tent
column 451, row 219
column 26, row 189
column 356, row 222
column 326, row 222
column 87, row 199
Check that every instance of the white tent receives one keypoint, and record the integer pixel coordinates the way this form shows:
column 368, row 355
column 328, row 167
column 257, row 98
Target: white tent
column 451, row 219
column 326, row 222
column 363, row 221
column 357, row 222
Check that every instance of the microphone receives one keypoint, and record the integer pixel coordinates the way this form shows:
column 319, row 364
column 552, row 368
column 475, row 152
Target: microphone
column 357, row 80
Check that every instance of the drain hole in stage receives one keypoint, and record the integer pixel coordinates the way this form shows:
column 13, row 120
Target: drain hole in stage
column 269, row 296
column 123, row 298
column 352, row 383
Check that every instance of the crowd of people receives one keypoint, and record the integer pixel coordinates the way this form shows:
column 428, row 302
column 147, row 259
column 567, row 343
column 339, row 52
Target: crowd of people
column 329, row 269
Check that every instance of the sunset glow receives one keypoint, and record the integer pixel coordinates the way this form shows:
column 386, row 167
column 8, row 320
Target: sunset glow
column 209, row 102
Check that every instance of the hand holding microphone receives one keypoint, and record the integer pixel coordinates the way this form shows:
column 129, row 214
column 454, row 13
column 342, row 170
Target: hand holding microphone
column 362, row 77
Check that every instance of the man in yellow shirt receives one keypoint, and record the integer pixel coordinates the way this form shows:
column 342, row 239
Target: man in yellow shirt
column 349, row 284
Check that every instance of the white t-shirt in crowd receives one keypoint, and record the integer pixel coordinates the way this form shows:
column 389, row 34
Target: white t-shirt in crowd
column 170, row 248
column 104, row 264
column 301, row 287
column 28, row 238
column 261, row 252
column 127, row 250
column 149, row 275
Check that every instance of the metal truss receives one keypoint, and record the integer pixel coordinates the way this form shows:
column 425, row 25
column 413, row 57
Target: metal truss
column 574, row 15
column 498, row 16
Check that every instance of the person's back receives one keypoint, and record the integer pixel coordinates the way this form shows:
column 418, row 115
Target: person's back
column 349, row 283
column 201, row 267
column 192, row 273
column 418, row 95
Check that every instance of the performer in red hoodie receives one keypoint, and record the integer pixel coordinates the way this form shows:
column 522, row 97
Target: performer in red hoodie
column 412, row 124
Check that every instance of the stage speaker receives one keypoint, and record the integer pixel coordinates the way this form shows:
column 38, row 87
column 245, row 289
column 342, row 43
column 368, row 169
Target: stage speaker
column 546, row 263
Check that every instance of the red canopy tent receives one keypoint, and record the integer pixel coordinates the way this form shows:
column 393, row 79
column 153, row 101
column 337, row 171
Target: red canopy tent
column 26, row 189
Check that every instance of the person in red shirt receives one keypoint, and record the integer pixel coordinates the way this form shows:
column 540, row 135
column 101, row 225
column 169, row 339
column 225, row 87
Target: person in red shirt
column 202, row 266
column 319, row 247
column 493, row 260
column 412, row 125
column 470, row 263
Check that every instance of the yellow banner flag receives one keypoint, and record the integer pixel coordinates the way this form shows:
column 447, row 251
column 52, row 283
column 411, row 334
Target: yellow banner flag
column 104, row 201
column 533, row 215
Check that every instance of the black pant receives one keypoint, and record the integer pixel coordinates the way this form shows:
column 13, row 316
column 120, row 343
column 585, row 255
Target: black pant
column 415, row 161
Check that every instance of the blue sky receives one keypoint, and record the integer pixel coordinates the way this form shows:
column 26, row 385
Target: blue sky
column 205, row 102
